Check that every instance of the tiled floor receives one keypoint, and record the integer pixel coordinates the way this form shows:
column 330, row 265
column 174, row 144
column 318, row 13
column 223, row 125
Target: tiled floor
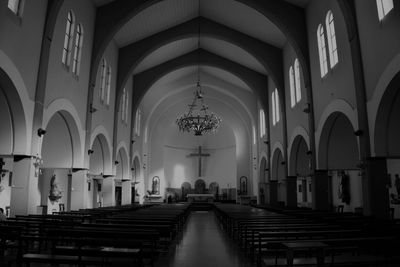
column 203, row 244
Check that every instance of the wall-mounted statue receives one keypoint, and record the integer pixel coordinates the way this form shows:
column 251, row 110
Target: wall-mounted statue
column 55, row 192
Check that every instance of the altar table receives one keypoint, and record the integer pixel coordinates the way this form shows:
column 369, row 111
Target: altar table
column 200, row 197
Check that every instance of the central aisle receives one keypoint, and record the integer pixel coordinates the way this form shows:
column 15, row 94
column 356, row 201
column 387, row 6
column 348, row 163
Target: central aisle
column 203, row 244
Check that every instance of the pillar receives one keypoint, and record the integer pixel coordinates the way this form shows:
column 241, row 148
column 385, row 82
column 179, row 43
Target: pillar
column 374, row 187
column 291, row 191
column 126, row 192
column 273, row 192
column 25, row 194
column 320, row 188
column 108, row 190
column 79, row 190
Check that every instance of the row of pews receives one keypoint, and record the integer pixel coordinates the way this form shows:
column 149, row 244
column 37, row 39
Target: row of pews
column 310, row 238
column 113, row 236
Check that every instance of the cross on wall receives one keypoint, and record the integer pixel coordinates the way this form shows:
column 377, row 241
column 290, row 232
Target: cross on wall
column 199, row 155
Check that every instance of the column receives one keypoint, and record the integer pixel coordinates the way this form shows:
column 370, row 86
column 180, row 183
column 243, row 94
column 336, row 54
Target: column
column 320, row 187
column 273, row 192
column 291, row 191
column 126, row 192
column 79, row 190
column 108, row 191
column 374, row 187
column 25, row 194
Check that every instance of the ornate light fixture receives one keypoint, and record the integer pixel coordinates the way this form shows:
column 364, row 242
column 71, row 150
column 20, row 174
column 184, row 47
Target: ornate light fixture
column 198, row 120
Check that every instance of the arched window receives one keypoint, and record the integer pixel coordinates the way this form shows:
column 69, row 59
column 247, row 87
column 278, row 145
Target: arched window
column 76, row 63
column 262, row 123
column 15, row 6
column 384, row 7
column 155, row 186
column 332, row 46
column 297, row 80
column 108, row 86
column 292, row 92
column 103, row 80
column 275, row 107
column 68, row 39
column 323, row 61
column 137, row 121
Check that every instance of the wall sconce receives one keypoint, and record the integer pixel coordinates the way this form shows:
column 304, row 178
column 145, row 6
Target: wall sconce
column 92, row 109
column 116, row 162
column 133, row 141
column 90, row 151
column 307, row 108
column 358, row 132
column 309, row 153
column 41, row 132
column 283, row 163
column 267, row 170
column 266, row 142
column 132, row 169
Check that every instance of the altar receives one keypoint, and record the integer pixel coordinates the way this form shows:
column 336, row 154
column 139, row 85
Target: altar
column 200, row 197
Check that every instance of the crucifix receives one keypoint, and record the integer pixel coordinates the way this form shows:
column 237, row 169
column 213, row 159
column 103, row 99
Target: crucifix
column 200, row 155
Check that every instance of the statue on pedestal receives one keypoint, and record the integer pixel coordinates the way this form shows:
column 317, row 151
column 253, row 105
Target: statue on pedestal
column 55, row 192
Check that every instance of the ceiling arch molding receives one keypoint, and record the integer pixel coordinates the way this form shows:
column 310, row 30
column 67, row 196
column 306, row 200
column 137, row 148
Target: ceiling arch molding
column 256, row 81
column 289, row 18
column 131, row 55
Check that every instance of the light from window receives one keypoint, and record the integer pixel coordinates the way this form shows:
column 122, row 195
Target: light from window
column 275, row 107
column 76, row 63
column 262, row 123
column 322, row 50
column 108, row 86
column 123, row 103
column 292, row 93
column 14, row 6
column 126, row 107
column 68, row 39
column 384, row 7
column 103, row 80
column 137, row 121
column 297, row 80
column 254, row 135
column 332, row 46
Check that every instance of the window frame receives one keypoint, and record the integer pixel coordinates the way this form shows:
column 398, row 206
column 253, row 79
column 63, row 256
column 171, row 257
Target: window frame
column 323, row 58
column 331, row 36
column 383, row 8
column 297, row 80
column 69, row 35
column 76, row 61
column 103, row 73
column 292, row 87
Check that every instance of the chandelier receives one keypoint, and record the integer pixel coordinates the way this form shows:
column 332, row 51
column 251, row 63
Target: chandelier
column 198, row 120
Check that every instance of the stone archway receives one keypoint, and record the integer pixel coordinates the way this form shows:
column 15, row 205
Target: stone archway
column 339, row 154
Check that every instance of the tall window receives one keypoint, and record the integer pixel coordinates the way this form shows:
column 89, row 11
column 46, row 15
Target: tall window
column 292, row 92
column 103, row 80
column 332, row 46
column 68, row 39
column 275, row 107
column 76, row 63
column 108, row 86
column 137, row 121
column 126, row 107
column 323, row 61
column 15, row 6
column 297, row 80
column 384, row 7
column 262, row 123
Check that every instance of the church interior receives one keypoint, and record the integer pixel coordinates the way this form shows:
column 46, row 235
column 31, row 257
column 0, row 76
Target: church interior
column 147, row 132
